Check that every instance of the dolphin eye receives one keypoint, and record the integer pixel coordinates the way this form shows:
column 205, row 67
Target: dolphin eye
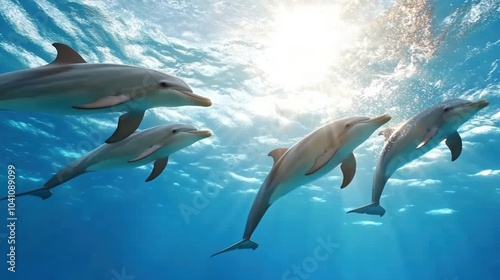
column 348, row 125
column 446, row 109
column 163, row 84
column 174, row 131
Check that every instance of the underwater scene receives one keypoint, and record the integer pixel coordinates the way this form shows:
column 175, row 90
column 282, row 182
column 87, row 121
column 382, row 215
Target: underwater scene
column 249, row 140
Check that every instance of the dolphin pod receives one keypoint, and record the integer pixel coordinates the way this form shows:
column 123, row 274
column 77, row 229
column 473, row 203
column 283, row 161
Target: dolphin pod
column 307, row 160
column 414, row 138
column 71, row 86
column 151, row 145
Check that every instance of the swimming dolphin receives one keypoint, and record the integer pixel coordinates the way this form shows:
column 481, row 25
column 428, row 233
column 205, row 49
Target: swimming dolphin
column 71, row 86
column 307, row 160
column 153, row 144
column 417, row 136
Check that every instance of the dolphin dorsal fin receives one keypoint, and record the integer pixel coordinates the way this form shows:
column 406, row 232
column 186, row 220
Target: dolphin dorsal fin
column 66, row 55
column 277, row 154
column 386, row 132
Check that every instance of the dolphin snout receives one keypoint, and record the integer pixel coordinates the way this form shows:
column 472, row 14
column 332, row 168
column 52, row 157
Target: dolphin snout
column 203, row 133
column 480, row 104
column 198, row 100
column 380, row 120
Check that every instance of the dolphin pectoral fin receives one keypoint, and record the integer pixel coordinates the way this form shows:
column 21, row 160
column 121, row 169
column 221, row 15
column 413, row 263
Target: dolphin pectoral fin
column 42, row 193
column 149, row 151
column 158, row 168
column 277, row 154
column 243, row 244
column 66, row 55
column 348, row 168
column 386, row 132
column 454, row 143
column 322, row 160
column 370, row 209
column 127, row 124
column 105, row 102
column 428, row 136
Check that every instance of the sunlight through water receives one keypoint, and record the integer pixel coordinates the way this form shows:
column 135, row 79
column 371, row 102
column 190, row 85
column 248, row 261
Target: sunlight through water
column 305, row 42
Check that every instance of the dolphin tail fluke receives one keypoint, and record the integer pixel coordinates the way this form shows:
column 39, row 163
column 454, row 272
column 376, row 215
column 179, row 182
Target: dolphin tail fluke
column 243, row 244
column 370, row 209
column 42, row 193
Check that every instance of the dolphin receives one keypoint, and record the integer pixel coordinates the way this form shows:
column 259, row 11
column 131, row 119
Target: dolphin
column 153, row 144
column 70, row 86
column 307, row 160
column 414, row 138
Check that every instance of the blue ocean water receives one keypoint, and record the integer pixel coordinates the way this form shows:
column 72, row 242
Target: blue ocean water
column 275, row 71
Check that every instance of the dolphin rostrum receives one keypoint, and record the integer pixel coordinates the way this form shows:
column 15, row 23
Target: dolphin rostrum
column 71, row 86
column 153, row 144
column 414, row 138
column 307, row 160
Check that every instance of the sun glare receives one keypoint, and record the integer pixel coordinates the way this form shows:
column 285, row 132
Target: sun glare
column 305, row 42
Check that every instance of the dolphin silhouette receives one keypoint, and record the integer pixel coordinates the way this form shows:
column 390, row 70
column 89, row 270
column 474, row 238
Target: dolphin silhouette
column 71, row 86
column 307, row 160
column 420, row 134
column 153, row 144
